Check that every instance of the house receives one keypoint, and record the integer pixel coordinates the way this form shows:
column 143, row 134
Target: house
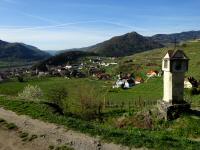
column 139, row 80
column 152, row 73
column 94, row 71
column 124, row 83
column 77, row 74
column 4, row 76
column 103, row 76
column 118, row 83
column 108, row 64
column 131, row 82
column 187, row 84
column 190, row 82
column 68, row 67
column 41, row 74
column 104, row 64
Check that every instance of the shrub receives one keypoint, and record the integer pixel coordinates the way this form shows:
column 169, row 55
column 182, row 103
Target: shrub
column 142, row 120
column 194, row 91
column 184, row 45
column 31, row 93
column 20, row 78
column 91, row 103
column 58, row 97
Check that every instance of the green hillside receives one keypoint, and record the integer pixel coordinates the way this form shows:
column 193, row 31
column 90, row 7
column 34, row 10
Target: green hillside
column 20, row 52
column 152, row 59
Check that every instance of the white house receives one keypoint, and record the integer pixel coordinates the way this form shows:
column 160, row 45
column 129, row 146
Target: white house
column 68, row 67
column 118, row 83
column 187, row 84
column 124, row 83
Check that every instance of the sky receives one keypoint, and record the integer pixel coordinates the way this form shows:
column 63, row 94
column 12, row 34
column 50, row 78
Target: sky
column 65, row 24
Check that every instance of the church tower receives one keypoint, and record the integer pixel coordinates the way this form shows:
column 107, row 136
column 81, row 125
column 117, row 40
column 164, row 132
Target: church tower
column 174, row 66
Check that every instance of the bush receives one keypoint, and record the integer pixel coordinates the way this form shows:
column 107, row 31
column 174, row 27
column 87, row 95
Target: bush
column 31, row 92
column 184, row 45
column 20, row 78
column 58, row 97
column 91, row 103
column 194, row 91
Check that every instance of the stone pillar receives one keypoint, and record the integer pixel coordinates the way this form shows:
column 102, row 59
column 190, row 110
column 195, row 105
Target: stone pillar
column 174, row 66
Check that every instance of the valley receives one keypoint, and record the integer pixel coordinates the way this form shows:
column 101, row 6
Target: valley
column 91, row 105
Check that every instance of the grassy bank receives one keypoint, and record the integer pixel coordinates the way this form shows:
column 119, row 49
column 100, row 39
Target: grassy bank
column 167, row 135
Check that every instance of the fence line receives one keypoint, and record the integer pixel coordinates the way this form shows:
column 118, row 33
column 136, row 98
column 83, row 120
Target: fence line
column 139, row 103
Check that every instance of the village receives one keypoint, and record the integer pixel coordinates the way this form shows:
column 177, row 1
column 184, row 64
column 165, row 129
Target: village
column 92, row 67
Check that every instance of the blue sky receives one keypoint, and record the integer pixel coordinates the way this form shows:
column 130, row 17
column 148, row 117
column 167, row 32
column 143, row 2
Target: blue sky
column 62, row 24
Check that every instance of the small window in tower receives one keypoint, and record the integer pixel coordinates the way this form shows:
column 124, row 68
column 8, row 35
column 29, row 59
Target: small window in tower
column 165, row 63
column 178, row 66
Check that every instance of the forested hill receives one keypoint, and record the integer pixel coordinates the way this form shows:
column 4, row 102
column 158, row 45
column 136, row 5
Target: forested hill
column 20, row 51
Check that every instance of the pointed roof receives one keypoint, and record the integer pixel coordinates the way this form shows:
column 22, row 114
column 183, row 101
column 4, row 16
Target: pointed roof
column 176, row 54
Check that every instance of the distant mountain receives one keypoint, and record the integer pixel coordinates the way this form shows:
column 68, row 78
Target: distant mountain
column 124, row 45
column 180, row 37
column 56, row 52
column 63, row 58
column 52, row 52
column 133, row 42
column 20, row 51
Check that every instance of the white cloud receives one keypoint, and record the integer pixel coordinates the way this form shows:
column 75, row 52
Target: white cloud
column 62, row 36
column 55, row 40
column 115, row 23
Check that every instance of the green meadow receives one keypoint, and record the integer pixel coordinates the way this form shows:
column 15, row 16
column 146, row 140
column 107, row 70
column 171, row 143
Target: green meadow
column 73, row 86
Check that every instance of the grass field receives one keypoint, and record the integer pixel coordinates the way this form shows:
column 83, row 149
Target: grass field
column 143, row 91
column 150, row 91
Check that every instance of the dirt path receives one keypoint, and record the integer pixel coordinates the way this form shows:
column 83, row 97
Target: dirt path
column 48, row 134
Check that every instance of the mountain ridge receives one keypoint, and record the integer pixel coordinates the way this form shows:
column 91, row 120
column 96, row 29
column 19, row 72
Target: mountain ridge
column 118, row 46
column 163, row 39
column 124, row 45
column 21, row 51
column 179, row 37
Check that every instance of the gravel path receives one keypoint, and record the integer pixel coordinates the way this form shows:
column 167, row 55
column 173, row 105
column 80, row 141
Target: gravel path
column 48, row 134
